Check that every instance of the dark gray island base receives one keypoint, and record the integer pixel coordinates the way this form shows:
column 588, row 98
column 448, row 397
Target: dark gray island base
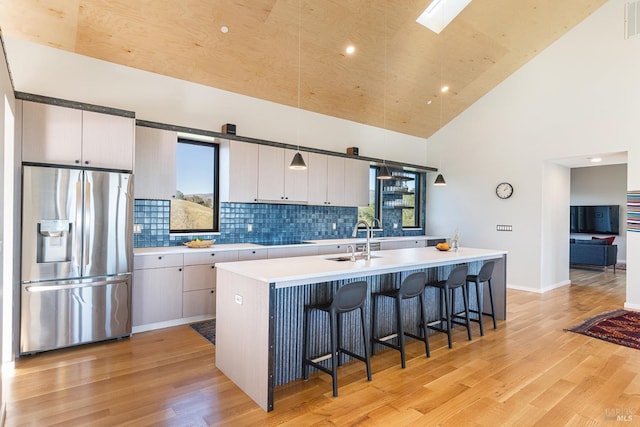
column 260, row 307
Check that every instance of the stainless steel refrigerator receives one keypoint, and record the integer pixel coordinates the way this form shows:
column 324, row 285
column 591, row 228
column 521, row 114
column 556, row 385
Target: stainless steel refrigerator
column 77, row 257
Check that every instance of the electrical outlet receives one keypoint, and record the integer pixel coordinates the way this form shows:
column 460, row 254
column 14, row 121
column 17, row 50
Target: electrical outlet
column 238, row 299
column 137, row 228
column 503, row 227
column 395, row 225
column 249, row 228
column 333, row 226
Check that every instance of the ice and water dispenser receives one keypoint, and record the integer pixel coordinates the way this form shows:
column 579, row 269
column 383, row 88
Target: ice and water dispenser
column 54, row 240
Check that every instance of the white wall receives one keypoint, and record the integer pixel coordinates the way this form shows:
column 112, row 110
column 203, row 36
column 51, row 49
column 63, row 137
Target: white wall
column 602, row 185
column 7, row 106
column 581, row 96
column 51, row 72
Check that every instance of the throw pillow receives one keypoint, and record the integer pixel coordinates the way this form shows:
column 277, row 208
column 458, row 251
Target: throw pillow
column 609, row 239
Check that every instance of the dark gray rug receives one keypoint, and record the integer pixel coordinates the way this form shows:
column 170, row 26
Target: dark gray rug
column 207, row 329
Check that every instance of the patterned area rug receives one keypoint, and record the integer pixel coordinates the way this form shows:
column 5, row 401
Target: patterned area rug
column 619, row 327
column 207, row 329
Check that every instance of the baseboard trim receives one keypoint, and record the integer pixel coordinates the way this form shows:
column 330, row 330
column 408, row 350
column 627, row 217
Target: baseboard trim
column 629, row 306
column 540, row 291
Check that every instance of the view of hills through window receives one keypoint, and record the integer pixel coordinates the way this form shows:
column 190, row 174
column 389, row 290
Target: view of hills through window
column 193, row 208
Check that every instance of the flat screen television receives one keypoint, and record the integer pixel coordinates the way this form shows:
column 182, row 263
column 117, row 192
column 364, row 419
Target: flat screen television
column 603, row 219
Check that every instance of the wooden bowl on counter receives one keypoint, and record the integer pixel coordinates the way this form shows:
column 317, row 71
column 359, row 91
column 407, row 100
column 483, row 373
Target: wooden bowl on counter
column 199, row 244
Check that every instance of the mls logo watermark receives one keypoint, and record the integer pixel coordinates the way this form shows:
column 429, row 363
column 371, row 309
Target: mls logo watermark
column 619, row 414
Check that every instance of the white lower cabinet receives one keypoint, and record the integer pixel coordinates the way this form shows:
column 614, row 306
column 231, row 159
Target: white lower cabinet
column 173, row 289
column 199, row 290
column 401, row 244
column 157, row 295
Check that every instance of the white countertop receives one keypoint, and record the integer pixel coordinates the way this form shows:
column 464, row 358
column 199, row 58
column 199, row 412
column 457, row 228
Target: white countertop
column 375, row 239
column 285, row 272
column 163, row 250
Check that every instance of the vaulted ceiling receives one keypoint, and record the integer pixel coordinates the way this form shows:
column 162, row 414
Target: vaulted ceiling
column 293, row 51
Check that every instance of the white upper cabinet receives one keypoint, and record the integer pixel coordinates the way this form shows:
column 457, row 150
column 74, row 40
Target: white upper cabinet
column 155, row 165
column 276, row 182
column 338, row 181
column 238, row 172
column 107, row 141
column 356, row 182
column 326, row 180
column 51, row 134
column 65, row 136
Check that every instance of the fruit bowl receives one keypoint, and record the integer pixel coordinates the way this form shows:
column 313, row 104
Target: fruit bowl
column 199, row 244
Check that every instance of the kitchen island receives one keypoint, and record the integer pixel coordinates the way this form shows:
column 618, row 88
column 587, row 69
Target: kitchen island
column 260, row 306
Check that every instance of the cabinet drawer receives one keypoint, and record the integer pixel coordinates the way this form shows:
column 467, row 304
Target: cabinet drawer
column 156, row 296
column 197, row 277
column 251, row 254
column 292, row 252
column 331, row 249
column 208, row 257
column 197, row 303
column 141, row 262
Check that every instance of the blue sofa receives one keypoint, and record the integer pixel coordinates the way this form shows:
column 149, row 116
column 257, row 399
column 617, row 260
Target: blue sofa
column 593, row 252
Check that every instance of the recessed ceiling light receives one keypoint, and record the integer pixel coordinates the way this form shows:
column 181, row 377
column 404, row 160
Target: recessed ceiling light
column 445, row 89
column 429, row 102
column 350, row 49
column 224, row 29
column 595, row 159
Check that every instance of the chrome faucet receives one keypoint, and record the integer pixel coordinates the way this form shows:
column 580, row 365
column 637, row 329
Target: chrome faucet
column 367, row 252
column 352, row 249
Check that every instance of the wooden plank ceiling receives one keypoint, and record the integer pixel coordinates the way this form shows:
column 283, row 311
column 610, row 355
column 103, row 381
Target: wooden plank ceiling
column 398, row 65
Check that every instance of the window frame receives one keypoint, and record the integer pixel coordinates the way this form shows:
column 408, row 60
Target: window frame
column 417, row 201
column 377, row 206
column 216, row 189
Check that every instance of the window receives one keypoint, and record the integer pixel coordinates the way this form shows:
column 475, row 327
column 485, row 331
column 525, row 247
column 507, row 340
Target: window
column 372, row 211
column 195, row 206
column 401, row 198
column 411, row 217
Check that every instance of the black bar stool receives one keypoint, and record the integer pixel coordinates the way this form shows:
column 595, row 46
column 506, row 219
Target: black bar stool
column 457, row 279
column 349, row 297
column 483, row 276
column 411, row 287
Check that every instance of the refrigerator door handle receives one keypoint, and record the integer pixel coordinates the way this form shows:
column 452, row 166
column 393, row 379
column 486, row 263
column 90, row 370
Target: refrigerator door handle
column 78, row 226
column 47, row 288
column 88, row 224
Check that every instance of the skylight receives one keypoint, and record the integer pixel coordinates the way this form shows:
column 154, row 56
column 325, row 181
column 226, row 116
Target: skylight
column 440, row 13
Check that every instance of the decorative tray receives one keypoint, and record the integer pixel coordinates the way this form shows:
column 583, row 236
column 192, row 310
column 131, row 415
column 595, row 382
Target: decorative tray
column 199, row 244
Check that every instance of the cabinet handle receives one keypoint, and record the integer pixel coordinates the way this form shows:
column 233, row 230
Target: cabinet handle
column 286, row 198
column 179, row 269
column 77, row 161
column 213, row 266
column 159, row 257
column 86, row 162
column 213, row 254
column 212, row 291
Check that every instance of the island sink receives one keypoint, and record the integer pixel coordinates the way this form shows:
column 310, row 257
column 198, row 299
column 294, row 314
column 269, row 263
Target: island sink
column 349, row 258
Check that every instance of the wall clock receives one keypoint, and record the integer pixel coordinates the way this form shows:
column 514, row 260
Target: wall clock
column 504, row 190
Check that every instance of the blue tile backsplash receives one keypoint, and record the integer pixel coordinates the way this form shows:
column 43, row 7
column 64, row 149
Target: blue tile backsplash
column 272, row 223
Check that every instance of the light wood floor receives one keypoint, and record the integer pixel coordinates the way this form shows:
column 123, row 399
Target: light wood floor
column 528, row 372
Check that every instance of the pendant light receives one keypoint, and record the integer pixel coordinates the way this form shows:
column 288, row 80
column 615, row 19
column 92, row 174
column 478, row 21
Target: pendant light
column 298, row 162
column 384, row 173
column 443, row 89
column 439, row 180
